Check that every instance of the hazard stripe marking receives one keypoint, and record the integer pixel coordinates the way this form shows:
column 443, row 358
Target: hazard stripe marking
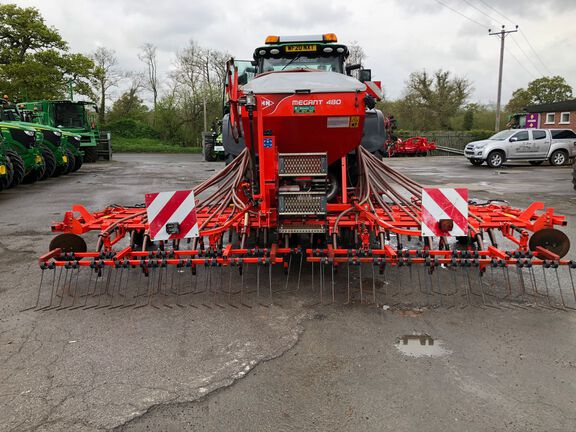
column 170, row 207
column 444, row 203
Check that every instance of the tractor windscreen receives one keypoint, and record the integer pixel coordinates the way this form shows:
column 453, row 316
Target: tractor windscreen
column 302, row 61
column 69, row 115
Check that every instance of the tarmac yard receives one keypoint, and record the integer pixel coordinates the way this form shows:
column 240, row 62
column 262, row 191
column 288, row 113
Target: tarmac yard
column 285, row 367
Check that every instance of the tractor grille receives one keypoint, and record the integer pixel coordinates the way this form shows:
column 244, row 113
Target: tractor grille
column 22, row 137
column 51, row 137
column 301, row 203
column 302, row 164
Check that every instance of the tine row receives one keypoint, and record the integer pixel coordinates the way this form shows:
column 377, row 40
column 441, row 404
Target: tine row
column 219, row 287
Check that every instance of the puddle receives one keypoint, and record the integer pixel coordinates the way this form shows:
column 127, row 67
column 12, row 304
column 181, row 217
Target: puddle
column 420, row 345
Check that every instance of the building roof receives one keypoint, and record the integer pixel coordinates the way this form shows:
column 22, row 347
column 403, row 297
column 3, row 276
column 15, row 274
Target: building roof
column 569, row 105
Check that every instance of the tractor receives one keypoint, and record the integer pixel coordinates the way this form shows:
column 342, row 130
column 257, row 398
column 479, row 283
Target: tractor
column 77, row 117
column 21, row 146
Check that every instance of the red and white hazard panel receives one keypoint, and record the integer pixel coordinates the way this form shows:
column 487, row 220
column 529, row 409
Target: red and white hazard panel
column 171, row 215
column 444, row 212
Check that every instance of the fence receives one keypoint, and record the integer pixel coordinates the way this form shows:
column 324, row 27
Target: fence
column 449, row 143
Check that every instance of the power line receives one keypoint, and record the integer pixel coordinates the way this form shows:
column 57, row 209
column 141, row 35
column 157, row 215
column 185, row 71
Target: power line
column 535, row 53
column 492, row 20
column 496, row 10
column 528, row 57
column 462, row 15
column 530, row 74
column 521, row 33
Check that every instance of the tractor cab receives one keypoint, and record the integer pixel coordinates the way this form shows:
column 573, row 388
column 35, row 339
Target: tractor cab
column 288, row 53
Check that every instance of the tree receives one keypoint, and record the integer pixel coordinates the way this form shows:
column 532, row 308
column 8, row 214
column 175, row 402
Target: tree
column 148, row 56
column 129, row 105
column 106, row 75
column 356, row 56
column 36, row 63
column 434, row 99
column 540, row 91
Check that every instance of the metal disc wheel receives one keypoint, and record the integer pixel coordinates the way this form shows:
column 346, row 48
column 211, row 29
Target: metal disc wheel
column 558, row 158
column 495, row 159
column 68, row 242
column 551, row 239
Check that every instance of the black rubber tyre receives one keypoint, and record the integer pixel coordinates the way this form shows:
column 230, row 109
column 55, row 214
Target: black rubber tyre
column 77, row 164
column 208, row 151
column 574, row 176
column 496, row 159
column 35, row 175
column 476, row 162
column 90, row 154
column 17, row 167
column 5, row 180
column 49, row 163
column 71, row 162
column 536, row 163
column 558, row 158
column 228, row 158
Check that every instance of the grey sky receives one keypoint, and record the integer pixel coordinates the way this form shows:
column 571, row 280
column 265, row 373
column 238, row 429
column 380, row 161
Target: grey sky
column 398, row 36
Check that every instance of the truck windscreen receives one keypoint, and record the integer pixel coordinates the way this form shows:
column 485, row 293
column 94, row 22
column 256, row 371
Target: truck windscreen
column 302, row 61
column 69, row 115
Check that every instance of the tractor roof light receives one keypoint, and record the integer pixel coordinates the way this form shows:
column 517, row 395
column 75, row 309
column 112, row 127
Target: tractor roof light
column 329, row 37
column 272, row 40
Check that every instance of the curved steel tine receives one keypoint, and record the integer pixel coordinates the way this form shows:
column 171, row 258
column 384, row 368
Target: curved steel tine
column 52, row 291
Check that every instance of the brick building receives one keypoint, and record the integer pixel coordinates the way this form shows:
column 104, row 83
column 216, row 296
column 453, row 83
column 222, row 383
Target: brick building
column 553, row 115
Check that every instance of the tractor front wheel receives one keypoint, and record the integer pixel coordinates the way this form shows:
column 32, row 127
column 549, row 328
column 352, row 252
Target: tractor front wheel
column 18, row 168
column 5, row 180
column 71, row 162
column 208, row 151
column 496, row 159
column 77, row 163
column 49, row 163
column 90, row 154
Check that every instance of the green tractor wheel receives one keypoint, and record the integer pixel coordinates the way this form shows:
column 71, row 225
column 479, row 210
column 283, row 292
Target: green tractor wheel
column 49, row 163
column 5, row 180
column 77, row 163
column 18, row 169
column 35, row 175
column 90, row 154
column 71, row 162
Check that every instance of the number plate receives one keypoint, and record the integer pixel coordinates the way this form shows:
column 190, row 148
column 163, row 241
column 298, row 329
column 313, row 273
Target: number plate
column 2, row 169
column 65, row 159
column 301, row 48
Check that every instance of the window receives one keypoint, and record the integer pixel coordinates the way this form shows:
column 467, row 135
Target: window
column 565, row 118
column 539, row 134
column 550, row 118
column 563, row 134
column 520, row 136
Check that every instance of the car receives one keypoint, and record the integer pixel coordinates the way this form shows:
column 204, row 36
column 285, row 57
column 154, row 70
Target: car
column 558, row 146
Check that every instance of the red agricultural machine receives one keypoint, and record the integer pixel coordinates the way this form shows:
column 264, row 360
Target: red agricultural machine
column 304, row 195
column 415, row 146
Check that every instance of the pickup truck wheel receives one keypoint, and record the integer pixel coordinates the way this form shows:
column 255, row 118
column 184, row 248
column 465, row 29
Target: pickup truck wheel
column 558, row 158
column 496, row 159
column 574, row 176
column 476, row 162
column 536, row 163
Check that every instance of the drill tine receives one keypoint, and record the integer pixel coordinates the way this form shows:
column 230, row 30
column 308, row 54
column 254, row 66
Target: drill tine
column 217, row 290
column 39, row 292
column 207, row 286
column 270, row 281
column 360, row 279
column 321, row 279
column 373, row 284
column 348, row 286
column 560, row 288
column 572, row 282
column 546, row 286
column 332, row 283
column 52, row 291
column 288, row 272
column 300, row 271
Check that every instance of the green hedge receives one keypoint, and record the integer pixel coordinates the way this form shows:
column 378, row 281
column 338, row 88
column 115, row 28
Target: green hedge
column 130, row 128
column 148, row 145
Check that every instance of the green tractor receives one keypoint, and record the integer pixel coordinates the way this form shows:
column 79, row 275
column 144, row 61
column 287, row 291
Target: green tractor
column 20, row 145
column 55, row 153
column 77, row 117
column 6, row 170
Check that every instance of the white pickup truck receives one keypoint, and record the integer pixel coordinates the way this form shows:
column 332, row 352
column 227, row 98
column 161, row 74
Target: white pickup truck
column 557, row 146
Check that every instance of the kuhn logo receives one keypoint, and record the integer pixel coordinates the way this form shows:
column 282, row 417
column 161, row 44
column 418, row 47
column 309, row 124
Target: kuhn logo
column 266, row 103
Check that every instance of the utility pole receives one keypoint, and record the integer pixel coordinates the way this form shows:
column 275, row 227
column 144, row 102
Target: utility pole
column 502, row 33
